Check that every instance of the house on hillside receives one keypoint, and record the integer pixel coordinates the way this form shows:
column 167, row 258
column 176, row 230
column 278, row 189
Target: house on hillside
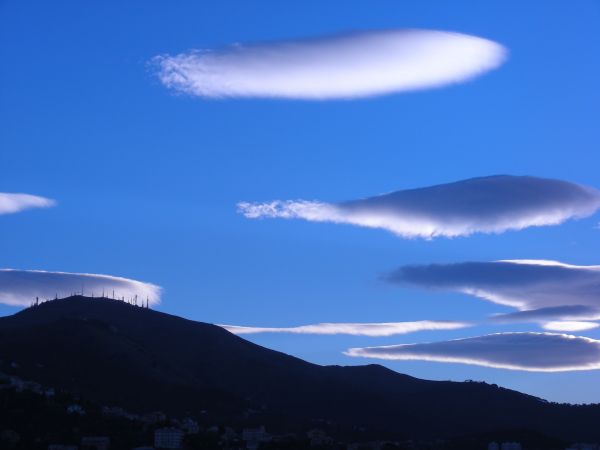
column 188, row 425
column 254, row 436
column 168, row 437
column 318, row 438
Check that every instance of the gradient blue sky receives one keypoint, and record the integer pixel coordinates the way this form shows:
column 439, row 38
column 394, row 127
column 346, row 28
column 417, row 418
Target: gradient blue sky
column 147, row 181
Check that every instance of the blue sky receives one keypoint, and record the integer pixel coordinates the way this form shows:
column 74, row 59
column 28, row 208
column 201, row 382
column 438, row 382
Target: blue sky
column 147, row 181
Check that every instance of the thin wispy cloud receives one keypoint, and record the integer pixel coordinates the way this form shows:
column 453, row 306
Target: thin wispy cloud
column 355, row 329
column 360, row 64
column 536, row 352
column 21, row 287
column 479, row 205
column 14, row 203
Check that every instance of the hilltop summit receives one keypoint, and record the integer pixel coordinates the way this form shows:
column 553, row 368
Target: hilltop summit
column 118, row 354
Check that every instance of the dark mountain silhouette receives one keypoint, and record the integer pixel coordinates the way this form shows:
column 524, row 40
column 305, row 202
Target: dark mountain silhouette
column 117, row 354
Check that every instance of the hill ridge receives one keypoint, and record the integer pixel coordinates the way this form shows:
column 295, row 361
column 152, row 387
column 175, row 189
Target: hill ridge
column 146, row 360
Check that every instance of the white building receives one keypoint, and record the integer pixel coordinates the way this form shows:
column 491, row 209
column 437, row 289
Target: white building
column 168, row 438
column 254, row 436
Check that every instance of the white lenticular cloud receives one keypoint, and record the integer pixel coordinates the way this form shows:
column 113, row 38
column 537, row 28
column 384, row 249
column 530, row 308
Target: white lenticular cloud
column 561, row 297
column 14, row 203
column 566, row 312
column 479, row 205
column 355, row 329
column 21, row 287
column 360, row 64
column 536, row 352
column 539, row 287
column 569, row 325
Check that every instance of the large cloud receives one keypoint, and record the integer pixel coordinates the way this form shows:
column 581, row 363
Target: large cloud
column 540, row 352
column 549, row 287
column 21, row 287
column 488, row 205
column 542, row 291
column 13, row 203
column 356, row 329
column 351, row 65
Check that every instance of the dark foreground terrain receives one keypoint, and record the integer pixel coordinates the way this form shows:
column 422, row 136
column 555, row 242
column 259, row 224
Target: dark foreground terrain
column 112, row 354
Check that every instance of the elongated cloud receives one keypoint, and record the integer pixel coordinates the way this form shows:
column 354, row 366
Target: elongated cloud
column 546, row 287
column 355, row 329
column 567, row 315
column 568, row 312
column 569, row 325
column 487, row 205
column 13, row 203
column 562, row 297
column 21, row 287
column 351, row 65
column 536, row 352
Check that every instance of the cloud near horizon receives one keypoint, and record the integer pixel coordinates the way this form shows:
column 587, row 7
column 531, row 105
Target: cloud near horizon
column 563, row 297
column 344, row 66
column 21, row 287
column 14, row 203
column 534, row 352
column 491, row 204
column 355, row 329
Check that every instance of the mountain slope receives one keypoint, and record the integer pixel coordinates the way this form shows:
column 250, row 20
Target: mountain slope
column 144, row 360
